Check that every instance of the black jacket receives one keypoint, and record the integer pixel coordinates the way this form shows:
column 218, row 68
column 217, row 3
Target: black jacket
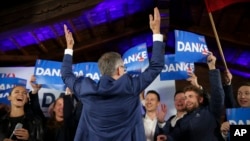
column 32, row 123
column 202, row 124
column 53, row 130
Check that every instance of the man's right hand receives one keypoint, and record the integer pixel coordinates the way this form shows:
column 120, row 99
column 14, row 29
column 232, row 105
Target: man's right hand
column 69, row 38
column 155, row 21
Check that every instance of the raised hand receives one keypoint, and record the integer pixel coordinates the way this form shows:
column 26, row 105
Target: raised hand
column 69, row 38
column 35, row 87
column 211, row 59
column 228, row 77
column 193, row 79
column 155, row 22
column 162, row 113
column 68, row 91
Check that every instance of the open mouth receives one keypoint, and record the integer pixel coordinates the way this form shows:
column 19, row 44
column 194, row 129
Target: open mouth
column 179, row 105
column 20, row 99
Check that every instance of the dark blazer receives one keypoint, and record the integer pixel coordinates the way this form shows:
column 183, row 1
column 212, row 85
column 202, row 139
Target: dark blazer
column 111, row 110
column 230, row 101
column 202, row 124
column 168, row 122
column 31, row 123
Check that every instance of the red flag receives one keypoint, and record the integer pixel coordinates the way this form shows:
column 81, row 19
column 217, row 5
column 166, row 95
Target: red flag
column 213, row 5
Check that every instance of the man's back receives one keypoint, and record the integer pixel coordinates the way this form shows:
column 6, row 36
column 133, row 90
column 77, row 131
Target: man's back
column 111, row 108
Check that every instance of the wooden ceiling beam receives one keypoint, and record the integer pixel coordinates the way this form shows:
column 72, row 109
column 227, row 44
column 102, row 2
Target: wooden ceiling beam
column 1, row 52
column 19, row 47
column 75, row 34
column 58, row 38
column 51, row 11
column 17, row 58
column 40, row 44
column 109, row 39
column 97, row 43
column 86, row 19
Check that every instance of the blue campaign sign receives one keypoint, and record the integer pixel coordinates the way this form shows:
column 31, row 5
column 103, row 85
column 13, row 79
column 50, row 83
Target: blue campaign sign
column 175, row 70
column 48, row 72
column 190, row 47
column 136, row 58
column 238, row 116
column 4, row 96
column 88, row 69
column 6, row 84
column 59, row 87
column 10, row 82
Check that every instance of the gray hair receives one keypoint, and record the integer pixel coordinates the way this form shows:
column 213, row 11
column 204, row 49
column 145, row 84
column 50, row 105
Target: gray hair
column 109, row 62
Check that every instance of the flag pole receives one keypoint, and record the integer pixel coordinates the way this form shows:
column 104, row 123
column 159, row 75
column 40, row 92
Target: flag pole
column 217, row 39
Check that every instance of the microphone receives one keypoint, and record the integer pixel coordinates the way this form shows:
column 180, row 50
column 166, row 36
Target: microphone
column 18, row 125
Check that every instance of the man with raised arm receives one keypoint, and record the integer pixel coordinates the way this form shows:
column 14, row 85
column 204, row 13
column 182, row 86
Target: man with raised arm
column 111, row 110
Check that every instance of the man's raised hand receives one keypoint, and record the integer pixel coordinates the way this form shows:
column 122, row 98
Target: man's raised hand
column 69, row 38
column 155, row 22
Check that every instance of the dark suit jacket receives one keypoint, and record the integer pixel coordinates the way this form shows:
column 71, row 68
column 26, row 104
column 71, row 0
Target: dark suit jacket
column 111, row 110
column 202, row 124
column 169, row 124
column 230, row 101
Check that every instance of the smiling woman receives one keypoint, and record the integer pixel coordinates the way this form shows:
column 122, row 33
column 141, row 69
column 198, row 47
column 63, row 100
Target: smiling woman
column 18, row 124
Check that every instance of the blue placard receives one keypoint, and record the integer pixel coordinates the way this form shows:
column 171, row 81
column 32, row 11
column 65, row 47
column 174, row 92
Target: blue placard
column 135, row 59
column 48, row 73
column 238, row 116
column 88, row 69
column 175, row 70
column 6, row 85
column 190, row 47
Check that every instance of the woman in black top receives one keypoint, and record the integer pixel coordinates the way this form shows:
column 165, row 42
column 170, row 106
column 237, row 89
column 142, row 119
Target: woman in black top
column 61, row 125
column 30, row 127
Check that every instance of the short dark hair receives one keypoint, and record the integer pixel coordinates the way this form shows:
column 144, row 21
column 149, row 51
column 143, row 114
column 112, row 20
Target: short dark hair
column 246, row 83
column 177, row 92
column 193, row 88
column 201, row 93
column 154, row 92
